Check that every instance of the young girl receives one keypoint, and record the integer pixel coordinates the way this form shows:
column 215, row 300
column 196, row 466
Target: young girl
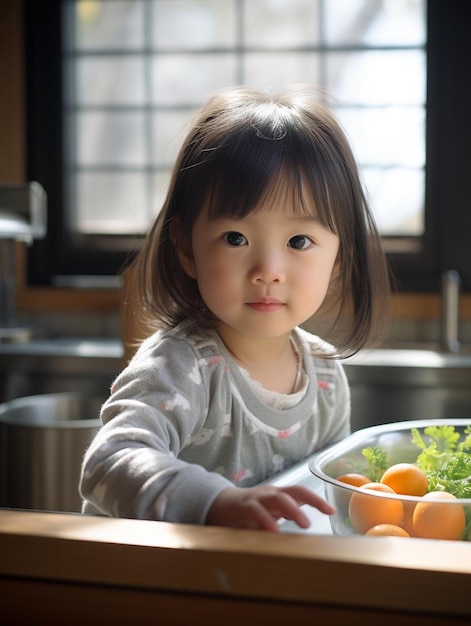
column 265, row 221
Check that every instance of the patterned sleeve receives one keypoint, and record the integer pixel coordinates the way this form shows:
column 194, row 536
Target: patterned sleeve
column 131, row 468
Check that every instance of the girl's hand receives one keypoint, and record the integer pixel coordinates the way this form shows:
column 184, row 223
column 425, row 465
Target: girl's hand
column 261, row 507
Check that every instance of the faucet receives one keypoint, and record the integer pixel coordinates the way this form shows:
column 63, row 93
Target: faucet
column 22, row 218
column 450, row 311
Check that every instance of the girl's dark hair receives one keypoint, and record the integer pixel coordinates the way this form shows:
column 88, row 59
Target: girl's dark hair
column 242, row 144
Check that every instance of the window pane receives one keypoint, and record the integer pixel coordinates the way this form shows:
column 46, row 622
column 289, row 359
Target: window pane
column 194, row 24
column 169, row 130
column 386, row 136
column 191, row 79
column 391, row 22
column 378, row 77
column 161, row 182
column 111, row 202
column 110, row 138
column 275, row 23
column 144, row 67
column 272, row 70
column 106, row 80
column 108, row 25
column 397, row 199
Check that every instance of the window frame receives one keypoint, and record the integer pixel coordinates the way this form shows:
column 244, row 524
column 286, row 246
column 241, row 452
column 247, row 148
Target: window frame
column 446, row 240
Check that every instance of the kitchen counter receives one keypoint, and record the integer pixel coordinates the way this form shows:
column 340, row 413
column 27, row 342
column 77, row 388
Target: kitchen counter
column 73, row 569
column 65, row 347
column 76, row 569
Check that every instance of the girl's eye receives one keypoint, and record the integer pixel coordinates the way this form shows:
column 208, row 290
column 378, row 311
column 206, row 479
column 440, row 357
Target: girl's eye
column 300, row 242
column 234, row 238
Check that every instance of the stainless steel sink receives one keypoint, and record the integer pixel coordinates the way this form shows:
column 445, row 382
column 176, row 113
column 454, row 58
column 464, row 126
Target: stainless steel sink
column 59, row 365
column 42, row 442
column 391, row 385
column 50, row 397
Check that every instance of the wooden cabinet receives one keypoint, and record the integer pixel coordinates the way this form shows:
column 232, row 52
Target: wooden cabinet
column 72, row 569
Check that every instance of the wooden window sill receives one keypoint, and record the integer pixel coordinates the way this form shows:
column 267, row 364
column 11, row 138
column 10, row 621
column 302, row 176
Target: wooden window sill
column 30, row 299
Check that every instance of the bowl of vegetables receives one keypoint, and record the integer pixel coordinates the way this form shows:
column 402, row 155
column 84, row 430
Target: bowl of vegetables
column 408, row 479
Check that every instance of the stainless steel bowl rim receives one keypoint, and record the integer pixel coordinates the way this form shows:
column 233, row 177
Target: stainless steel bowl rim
column 358, row 436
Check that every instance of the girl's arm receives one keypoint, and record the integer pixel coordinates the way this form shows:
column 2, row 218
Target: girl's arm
column 131, row 468
column 128, row 472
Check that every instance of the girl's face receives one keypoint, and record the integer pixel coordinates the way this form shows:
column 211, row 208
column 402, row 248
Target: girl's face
column 263, row 274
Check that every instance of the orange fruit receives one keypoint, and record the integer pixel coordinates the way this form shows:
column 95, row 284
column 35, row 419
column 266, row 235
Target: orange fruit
column 387, row 530
column 357, row 480
column 408, row 524
column 439, row 520
column 342, row 496
column 367, row 510
column 405, row 478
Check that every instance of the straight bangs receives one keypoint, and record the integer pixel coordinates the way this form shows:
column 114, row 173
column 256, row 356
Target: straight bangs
column 253, row 172
column 247, row 170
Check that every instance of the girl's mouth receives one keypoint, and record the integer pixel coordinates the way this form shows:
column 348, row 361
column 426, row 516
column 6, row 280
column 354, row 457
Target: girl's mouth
column 266, row 305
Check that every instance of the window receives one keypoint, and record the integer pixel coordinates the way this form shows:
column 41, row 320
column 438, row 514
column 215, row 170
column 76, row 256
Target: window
column 112, row 84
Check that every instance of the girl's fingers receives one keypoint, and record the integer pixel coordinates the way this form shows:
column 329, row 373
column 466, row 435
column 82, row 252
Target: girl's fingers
column 303, row 495
column 261, row 507
column 283, row 504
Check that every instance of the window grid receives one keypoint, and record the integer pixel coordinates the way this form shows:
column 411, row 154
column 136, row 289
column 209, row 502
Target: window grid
column 323, row 50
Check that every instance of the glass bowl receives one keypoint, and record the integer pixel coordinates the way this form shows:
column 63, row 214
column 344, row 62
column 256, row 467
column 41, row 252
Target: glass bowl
column 376, row 507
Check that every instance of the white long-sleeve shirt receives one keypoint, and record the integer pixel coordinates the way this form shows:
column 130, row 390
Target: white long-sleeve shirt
column 183, row 422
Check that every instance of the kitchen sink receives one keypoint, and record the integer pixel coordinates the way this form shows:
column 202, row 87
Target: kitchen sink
column 59, row 366
column 391, row 385
column 42, row 442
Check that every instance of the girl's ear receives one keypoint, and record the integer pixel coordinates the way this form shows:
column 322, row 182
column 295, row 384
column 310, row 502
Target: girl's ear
column 336, row 270
column 185, row 256
column 183, row 249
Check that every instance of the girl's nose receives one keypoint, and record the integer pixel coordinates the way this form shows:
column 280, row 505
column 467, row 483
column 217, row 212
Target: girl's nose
column 268, row 268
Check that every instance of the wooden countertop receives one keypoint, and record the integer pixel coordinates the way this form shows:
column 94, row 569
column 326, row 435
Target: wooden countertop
column 86, row 569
